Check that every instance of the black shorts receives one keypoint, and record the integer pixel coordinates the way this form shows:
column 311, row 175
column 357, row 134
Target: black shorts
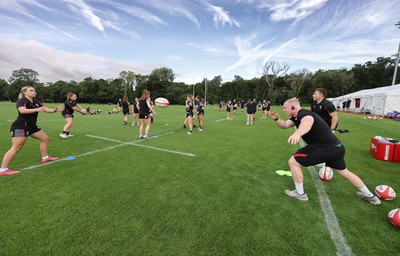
column 23, row 129
column 144, row 115
column 201, row 113
column 67, row 115
column 126, row 112
column 189, row 114
column 331, row 155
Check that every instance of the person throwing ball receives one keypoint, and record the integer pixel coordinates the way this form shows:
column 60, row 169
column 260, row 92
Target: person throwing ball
column 323, row 146
column 70, row 106
column 25, row 125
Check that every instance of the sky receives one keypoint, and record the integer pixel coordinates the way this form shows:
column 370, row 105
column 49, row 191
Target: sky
column 74, row 39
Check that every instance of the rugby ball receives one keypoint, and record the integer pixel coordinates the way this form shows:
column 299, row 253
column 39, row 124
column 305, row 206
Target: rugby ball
column 385, row 192
column 394, row 217
column 161, row 102
column 326, row 173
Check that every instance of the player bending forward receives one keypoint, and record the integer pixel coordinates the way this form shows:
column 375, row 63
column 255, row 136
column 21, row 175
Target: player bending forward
column 323, row 146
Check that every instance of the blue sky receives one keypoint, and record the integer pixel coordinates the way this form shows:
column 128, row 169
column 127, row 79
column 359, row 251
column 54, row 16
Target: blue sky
column 73, row 39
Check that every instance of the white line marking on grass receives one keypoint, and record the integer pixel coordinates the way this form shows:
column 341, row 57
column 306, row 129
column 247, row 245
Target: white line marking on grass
column 221, row 120
column 144, row 146
column 330, row 217
column 63, row 159
column 93, row 152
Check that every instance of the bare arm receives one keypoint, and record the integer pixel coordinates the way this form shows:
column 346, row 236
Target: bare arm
column 334, row 121
column 25, row 111
column 150, row 107
column 281, row 123
column 304, row 127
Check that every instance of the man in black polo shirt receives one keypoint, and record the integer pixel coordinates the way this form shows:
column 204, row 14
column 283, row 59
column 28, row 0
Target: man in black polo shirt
column 324, row 108
column 323, row 146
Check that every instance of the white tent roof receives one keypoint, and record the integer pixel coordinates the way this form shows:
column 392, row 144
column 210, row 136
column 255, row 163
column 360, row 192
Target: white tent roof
column 378, row 100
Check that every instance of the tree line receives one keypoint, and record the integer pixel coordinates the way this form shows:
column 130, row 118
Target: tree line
column 274, row 84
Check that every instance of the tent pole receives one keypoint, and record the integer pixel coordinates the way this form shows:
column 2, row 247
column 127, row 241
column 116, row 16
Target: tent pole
column 395, row 67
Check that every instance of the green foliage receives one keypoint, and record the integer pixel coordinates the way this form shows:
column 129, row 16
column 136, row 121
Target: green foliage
column 161, row 83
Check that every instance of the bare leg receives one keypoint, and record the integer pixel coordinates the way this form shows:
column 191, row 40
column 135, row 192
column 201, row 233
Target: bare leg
column 44, row 141
column 297, row 173
column 17, row 143
column 351, row 177
column 68, row 125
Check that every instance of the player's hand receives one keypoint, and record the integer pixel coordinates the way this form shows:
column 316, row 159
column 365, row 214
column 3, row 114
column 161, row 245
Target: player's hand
column 274, row 115
column 294, row 139
column 83, row 111
column 41, row 109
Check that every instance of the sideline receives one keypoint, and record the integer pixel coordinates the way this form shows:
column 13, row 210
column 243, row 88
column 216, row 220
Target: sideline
column 330, row 217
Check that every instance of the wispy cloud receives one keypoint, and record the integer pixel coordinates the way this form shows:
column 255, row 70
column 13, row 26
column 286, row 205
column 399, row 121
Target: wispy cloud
column 221, row 17
column 268, row 57
column 291, row 9
column 210, row 49
column 247, row 57
column 141, row 14
column 84, row 9
column 177, row 8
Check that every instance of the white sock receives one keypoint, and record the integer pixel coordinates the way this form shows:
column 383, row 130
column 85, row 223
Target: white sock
column 3, row 169
column 299, row 188
column 44, row 157
column 366, row 192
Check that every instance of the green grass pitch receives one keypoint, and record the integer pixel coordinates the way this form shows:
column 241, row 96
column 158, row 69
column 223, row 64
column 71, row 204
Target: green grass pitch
column 212, row 193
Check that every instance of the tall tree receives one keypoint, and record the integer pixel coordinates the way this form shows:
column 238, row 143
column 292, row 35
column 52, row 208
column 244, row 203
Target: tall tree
column 128, row 79
column 270, row 71
column 159, row 80
column 297, row 80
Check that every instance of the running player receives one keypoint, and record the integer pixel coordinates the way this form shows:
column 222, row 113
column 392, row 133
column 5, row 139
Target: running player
column 249, row 107
column 324, row 108
column 25, row 125
column 323, row 146
column 234, row 106
column 189, row 113
column 264, row 109
column 200, row 112
column 135, row 114
column 125, row 109
column 144, row 106
column 228, row 110
column 70, row 106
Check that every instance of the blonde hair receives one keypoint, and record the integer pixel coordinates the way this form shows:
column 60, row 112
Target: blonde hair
column 293, row 102
column 69, row 95
column 145, row 94
column 23, row 90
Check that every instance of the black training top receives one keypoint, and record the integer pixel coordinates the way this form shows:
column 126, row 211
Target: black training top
column 143, row 105
column 200, row 106
column 320, row 132
column 323, row 109
column 125, row 106
column 30, row 118
column 68, row 106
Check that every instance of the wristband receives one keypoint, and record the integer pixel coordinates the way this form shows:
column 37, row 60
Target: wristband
column 54, row 110
column 276, row 119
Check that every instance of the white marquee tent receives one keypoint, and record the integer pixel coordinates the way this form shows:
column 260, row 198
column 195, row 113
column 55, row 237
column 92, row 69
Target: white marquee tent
column 377, row 101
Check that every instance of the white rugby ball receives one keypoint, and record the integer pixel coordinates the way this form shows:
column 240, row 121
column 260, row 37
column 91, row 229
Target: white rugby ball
column 161, row 102
column 385, row 192
column 326, row 173
column 394, row 217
